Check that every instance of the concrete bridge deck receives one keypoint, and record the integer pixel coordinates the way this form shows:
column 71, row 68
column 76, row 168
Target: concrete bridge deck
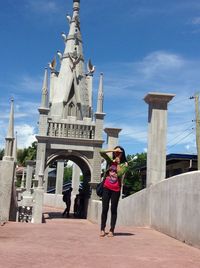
column 76, row 243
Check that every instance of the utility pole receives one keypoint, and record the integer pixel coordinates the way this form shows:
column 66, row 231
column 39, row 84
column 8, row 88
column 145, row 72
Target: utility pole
column 197, row 128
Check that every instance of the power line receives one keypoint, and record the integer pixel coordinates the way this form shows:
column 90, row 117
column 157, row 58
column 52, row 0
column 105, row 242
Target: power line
column 185, row 122
column 179, row 101
column 180, row 134
column 181, row 140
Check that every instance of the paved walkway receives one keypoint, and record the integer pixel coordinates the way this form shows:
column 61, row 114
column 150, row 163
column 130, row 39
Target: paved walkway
column 62, row 243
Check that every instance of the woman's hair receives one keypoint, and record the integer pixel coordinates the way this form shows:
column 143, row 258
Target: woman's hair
column 123, row 156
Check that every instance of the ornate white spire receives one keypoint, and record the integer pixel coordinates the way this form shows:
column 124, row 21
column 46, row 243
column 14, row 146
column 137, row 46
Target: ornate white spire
column 15, row 148
column 10, row 134
column 44, row 100
column 69, row 92
column 100, row 95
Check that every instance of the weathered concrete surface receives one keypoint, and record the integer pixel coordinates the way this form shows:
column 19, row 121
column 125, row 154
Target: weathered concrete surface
column 170, row 206
column 76, row 243
column 6, row 184
column 175, row 207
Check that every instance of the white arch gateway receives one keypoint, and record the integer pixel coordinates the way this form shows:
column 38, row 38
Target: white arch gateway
column 68, row 128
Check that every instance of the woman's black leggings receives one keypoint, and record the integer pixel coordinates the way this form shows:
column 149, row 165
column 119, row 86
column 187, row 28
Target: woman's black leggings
column 114, row 197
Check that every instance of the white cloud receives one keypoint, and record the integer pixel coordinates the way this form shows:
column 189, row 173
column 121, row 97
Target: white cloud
column 24, row 83
column 25, row 135
column 158, row 71
column 29, row 84
column 43, row 6
column 196, row 21
column 160, row 61
column 25, row 110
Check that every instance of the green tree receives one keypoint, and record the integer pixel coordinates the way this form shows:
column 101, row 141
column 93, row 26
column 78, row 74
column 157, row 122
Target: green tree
column 27, row 153
column 32, row 151
column 1, row 154
column 133, row 179
column 67, row 174
column 21, row 155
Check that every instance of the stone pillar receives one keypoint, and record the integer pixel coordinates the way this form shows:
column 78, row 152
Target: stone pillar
column 75, row 184
column 96, row 167
column 59, row 176
column 23, row 179
column 112, row 136
column 157, row 126
column 39, row 194
column 6, row 183
column 27, row 196
column 46, row 173
column 75, row 179
column 29, row 174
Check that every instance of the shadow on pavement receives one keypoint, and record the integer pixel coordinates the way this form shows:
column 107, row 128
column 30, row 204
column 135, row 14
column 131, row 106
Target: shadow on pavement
column 57, row 215
column 123, row 234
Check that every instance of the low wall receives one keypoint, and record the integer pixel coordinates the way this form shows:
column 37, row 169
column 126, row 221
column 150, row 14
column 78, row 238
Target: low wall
column 175, row 207
column 135, row 209
column 171, row 206
column 132, row 210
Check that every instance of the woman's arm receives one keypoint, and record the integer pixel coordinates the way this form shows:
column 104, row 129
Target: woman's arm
column 103, row 154
column 123, row 169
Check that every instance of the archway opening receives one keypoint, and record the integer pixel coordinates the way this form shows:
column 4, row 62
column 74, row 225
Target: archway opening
column 60, row 168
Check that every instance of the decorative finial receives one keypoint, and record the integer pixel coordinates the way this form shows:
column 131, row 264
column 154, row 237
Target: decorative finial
column 69, row 19
column 64, row 36
column 52, row 65
column 76, row 5
column 90, row 68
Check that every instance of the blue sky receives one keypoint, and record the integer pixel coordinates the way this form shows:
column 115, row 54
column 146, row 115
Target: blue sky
column 140, row 46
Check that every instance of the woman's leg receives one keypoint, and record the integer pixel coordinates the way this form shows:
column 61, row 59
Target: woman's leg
column 114, row 204
column 105, row 207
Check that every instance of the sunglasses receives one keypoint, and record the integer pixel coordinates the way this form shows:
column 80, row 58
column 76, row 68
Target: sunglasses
column 113, row 170
column 117, row 153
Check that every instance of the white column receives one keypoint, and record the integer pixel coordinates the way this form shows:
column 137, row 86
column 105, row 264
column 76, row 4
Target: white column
column 157, row 128
column 75, row 179
column 46, row 172
column 7, row 171
column 59, row 176
column 29, row 174
column 112, row 136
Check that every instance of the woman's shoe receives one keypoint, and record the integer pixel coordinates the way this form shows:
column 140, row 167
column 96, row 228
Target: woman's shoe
column 110, row 234
column 102, row 233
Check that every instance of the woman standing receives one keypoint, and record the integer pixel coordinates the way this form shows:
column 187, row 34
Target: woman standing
column 116, row 168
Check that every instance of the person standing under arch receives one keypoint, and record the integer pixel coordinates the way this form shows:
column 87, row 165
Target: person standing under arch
column 67, row 200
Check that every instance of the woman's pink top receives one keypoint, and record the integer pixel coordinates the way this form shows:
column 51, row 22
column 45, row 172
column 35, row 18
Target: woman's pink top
column 112, row 183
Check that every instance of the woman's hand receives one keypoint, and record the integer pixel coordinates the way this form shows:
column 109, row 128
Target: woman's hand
column 117, row 150
column 117, row 160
